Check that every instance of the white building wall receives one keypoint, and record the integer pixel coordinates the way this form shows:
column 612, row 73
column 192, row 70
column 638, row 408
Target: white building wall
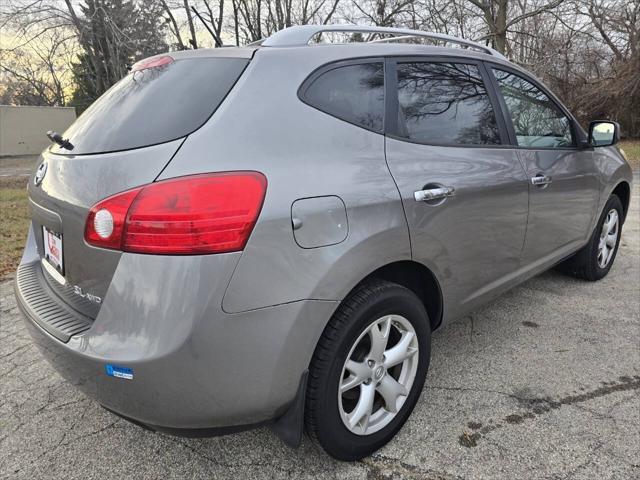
column 23, row 129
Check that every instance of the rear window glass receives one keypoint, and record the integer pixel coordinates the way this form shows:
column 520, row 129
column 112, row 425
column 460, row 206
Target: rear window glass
column 154, row 105
column 354, row 93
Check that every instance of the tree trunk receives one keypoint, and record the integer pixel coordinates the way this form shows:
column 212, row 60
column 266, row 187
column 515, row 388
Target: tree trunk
column 193, row 41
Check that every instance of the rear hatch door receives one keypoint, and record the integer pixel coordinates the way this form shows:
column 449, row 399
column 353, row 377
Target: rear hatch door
column 124, row 140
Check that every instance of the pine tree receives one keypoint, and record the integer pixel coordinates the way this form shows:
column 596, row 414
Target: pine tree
column 116, row 33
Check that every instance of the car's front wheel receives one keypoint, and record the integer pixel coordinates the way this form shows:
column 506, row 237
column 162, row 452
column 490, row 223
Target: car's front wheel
column 368, row 370
column 595, row 259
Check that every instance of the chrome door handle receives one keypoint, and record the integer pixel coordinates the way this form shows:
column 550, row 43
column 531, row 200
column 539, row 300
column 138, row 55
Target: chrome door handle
column 540, row 180
column 433, row 193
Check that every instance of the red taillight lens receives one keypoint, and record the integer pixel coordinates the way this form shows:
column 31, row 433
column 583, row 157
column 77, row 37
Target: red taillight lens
column 211, row 213
column 117, row 206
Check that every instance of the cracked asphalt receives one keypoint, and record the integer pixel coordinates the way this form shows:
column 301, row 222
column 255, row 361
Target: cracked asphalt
column 542, row 383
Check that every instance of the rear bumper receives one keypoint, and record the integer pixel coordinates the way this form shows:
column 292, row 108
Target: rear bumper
column 193, row 366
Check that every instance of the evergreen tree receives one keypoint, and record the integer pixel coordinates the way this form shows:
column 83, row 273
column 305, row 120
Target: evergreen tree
column 115, row 34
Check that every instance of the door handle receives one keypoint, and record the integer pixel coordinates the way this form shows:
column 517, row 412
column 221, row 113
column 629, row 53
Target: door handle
column 433, row 193
column 540, row 180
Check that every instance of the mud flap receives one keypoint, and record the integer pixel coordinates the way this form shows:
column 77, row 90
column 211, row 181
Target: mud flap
column 290, row 426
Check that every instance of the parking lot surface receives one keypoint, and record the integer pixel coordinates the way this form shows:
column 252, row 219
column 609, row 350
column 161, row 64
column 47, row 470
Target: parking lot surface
column 542, row 383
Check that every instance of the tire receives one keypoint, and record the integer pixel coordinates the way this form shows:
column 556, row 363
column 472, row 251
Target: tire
column 395, row 312
column 587, row 263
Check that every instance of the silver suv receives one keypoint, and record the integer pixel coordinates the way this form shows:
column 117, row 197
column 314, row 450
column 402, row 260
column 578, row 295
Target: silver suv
column 269, row 234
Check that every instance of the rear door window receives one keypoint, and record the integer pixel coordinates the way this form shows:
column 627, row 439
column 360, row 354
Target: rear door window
column 446, row 104
column 354, row 93
column 154, row 105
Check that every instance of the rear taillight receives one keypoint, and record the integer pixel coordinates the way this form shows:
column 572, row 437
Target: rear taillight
column 199, row 214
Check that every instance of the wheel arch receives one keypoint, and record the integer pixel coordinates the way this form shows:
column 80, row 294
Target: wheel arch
column 417, row 278
column 623, row 191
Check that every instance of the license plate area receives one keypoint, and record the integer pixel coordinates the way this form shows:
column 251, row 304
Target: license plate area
column 53, row 249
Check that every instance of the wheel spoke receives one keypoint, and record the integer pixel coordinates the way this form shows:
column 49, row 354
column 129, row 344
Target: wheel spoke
column 379, row 335
column 611, row 240
column 359, row 373
column 612, row 221
column 400, row 351
column 390, row 390
column 602, row 256
column 362, row 412
column 608, row 258
column 358, row 369
column 350, row 382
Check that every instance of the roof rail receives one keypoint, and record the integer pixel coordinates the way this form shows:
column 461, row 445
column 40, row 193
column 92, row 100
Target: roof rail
column 301, row 35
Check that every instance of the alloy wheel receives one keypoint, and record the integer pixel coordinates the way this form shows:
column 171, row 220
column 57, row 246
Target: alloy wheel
column 608, row 238
column 378, row 374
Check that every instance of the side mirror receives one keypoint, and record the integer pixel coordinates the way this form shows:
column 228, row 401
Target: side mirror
column 603, row 133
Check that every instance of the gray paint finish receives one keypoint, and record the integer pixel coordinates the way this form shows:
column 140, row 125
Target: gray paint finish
column 192, row 326
column 562, row 212
column 162, row 318
column 71, row 186
column 319, row 221
column 474, row 238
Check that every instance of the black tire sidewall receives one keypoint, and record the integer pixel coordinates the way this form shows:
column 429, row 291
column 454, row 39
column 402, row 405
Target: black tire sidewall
column 331, row 431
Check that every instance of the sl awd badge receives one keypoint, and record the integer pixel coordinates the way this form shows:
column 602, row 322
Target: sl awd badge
column 40, row 173
column 86, row 295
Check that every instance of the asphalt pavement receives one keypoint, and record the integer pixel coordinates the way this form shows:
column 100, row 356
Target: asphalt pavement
column 20, row 166
column 542, row 383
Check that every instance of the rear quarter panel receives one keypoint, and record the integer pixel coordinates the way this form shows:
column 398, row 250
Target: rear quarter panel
column 303, row 152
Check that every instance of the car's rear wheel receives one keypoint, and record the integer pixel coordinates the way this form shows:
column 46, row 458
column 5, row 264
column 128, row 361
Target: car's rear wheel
column 368, row 370
column 595, row 259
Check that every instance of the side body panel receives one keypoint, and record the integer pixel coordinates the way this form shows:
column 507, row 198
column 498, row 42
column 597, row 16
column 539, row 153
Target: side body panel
column 305, row 153
column 473, row 240
column 562, row 212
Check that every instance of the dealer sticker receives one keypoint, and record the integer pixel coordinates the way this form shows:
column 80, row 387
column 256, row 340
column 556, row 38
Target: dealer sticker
column 119, row 372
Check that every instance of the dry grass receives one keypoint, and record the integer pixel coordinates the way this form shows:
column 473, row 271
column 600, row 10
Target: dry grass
column 14, row 222
column 631, row 149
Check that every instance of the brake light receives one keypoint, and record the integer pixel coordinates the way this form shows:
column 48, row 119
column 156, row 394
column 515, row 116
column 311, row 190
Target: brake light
column 152, row 62
column 211, row 213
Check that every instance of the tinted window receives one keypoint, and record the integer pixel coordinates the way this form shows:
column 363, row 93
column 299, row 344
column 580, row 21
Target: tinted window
column 354, row 93
column 537, row 120
column 154, row 105
column 445, row 103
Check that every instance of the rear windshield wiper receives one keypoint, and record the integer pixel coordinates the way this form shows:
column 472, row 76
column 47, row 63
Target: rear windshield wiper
column 57, row 138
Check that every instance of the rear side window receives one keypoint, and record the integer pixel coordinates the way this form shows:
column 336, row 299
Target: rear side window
column 354, row 93
column 154, row 105
column 538, row 122
column 445, row 103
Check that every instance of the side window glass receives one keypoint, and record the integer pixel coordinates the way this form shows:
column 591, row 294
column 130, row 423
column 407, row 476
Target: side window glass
column 537, row 120
column 445, row 103
column 354, row 93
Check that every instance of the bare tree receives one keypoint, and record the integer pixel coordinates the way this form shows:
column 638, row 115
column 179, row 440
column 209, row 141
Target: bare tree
column 586, row 50
column 37, row 73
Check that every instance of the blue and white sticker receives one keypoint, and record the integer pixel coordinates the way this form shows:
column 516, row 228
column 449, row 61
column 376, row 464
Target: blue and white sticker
column 119, row 372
